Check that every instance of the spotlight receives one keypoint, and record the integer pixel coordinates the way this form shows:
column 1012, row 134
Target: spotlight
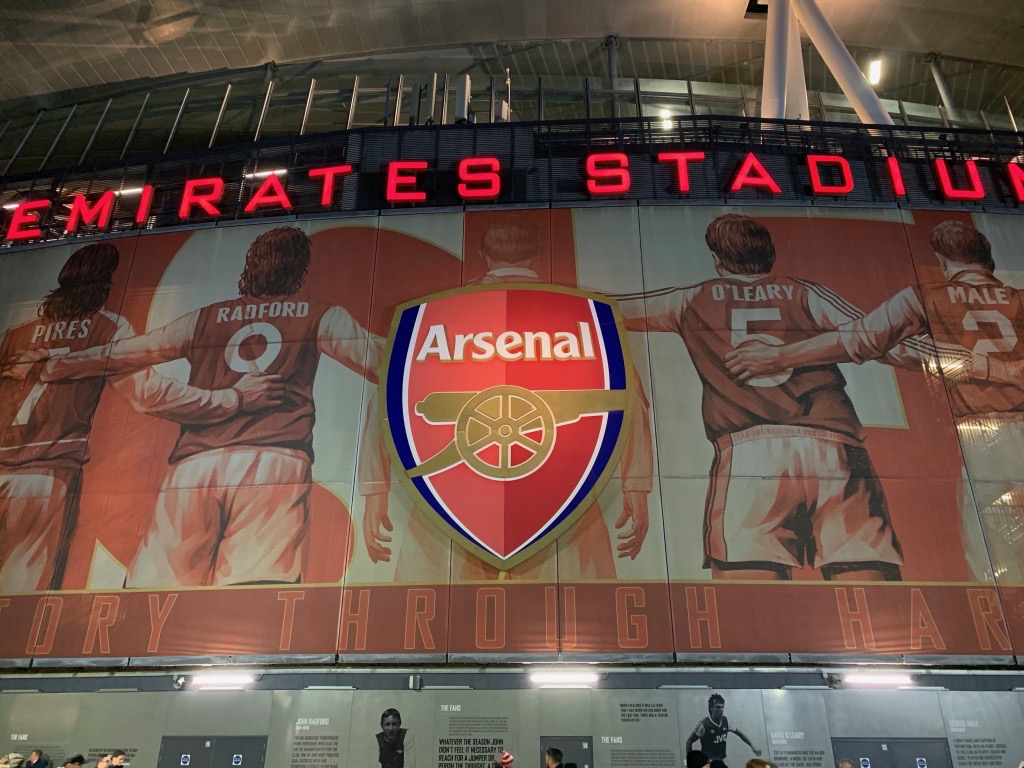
column 875, row 72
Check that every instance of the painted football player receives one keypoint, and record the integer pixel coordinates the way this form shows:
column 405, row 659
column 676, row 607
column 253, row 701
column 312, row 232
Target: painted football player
column 234, row 507
column 44, row 442
column 975, row 320
column 791, row 484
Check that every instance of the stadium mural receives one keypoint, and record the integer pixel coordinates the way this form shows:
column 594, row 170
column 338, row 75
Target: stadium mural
column 639, row 431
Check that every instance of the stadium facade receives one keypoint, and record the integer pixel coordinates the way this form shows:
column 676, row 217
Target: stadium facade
column 405, row 384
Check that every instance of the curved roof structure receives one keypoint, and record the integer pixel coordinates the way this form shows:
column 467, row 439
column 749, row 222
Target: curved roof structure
column 68, row 45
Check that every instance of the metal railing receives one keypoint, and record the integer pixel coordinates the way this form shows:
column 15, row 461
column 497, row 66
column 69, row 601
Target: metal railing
column 229, row 108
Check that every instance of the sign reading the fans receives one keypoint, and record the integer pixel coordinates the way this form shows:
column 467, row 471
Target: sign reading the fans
column 506, row 407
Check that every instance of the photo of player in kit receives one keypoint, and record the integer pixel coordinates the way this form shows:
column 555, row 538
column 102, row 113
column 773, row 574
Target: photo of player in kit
column 974, row 319
column 44, row 442
column 791, row 483
column 713, row 731
column 234, row 506
column 394, row 743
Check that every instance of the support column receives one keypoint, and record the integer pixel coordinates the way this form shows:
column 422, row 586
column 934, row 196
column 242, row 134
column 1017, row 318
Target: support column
column 796, row 81
column 862, row 96
column 776, row 51
column 940, row 83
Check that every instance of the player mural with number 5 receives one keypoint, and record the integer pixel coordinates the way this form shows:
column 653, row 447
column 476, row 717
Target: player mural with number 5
column 45, row 426
column 234, row 507
column 974, row 319
column 791, row 484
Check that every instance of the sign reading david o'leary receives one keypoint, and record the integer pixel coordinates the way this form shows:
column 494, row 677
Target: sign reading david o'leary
column 505, row 408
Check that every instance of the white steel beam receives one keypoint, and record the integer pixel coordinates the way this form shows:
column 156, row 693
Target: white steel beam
column 796, row 81
column 776, row 51
column 862, row 96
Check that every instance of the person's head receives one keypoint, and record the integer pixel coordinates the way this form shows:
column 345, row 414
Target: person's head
column 758, row 762
column 552, row 757
column 511, row 241
column 117, row 757
column 276, row 263
column 35, row 755
column 504, row 760
column 696, row 759
column 75, row 760
column 716, row 705
column 104, row 762
column 741, row 245
column 83, row 283
column 954, row 241
column 390, row 724
column 844, row 763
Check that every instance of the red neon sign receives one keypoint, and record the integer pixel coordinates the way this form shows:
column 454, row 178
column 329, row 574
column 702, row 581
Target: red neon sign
column 752, row 173
column 270, row 193
column 401, row 186
column 608, row 173
column 974, row 192
column 328, row 174
column 25, row 219
column 194, row 195
column 814, row 164
column 98, row 215
column 682, row 161
column 478, row 178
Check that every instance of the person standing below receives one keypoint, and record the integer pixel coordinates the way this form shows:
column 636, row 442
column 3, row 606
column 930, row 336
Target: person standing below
column 696, row 759
column 713, row 730
column 552, row 757
column 37, row 759
column 394, row 743
column 117, row 758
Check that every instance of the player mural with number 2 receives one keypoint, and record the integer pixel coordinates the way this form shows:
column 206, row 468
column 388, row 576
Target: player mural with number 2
column 974, row 319
column 46, row 426
column 791, row 483
column 233, row 508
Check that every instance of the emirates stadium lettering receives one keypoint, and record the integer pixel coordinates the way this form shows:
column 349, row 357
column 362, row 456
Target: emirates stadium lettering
column 602, row 175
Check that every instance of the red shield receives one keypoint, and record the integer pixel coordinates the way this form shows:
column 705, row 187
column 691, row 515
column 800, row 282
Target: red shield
column 506, row 407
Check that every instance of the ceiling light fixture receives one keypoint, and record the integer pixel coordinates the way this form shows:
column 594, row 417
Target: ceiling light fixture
column 887, row 679
column 875, row 72
column 564, row 679
column 221, row 682
column 264, row 174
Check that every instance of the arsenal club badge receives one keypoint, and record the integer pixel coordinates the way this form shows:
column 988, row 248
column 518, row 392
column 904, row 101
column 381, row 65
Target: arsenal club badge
column 505, row 409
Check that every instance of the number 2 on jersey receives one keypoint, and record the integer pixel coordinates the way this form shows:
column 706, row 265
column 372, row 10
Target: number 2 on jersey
column 1004, row 342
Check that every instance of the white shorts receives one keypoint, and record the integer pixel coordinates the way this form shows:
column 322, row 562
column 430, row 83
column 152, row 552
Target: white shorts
column 790, row 496
column 228, row 516
column 35, row 505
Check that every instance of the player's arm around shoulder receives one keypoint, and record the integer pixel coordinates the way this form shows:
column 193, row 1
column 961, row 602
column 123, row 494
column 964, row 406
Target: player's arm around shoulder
column 342, row 338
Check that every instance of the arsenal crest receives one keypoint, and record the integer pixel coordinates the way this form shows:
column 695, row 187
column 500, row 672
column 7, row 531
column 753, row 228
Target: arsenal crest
column 506, row 407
